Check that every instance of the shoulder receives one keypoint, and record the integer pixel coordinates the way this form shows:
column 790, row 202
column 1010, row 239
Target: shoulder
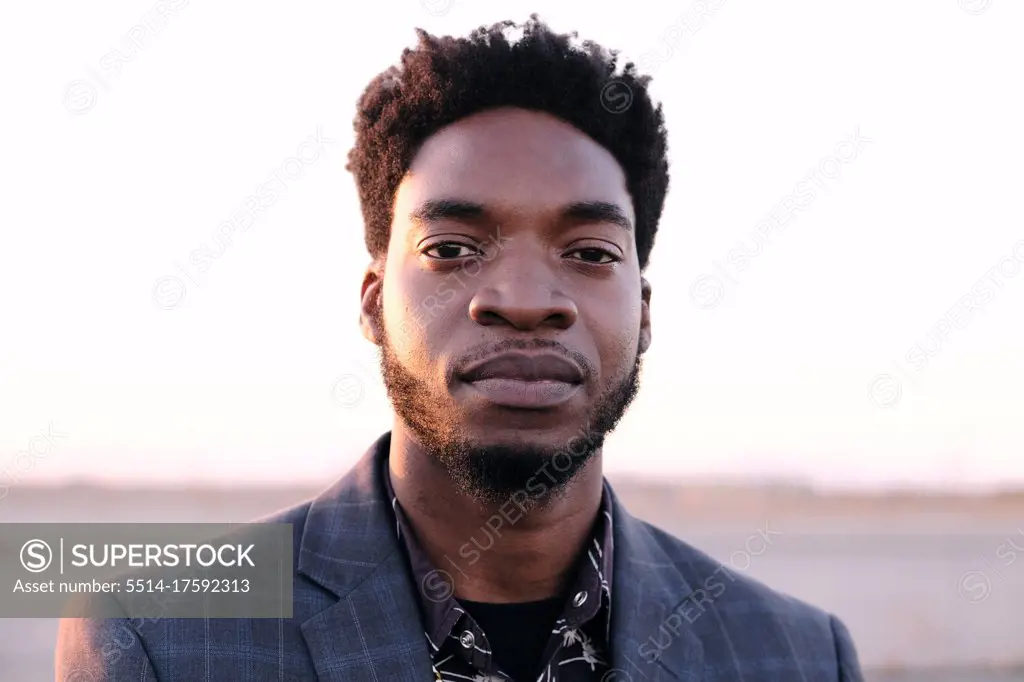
column 105, row 642
column 101, row 648
column 760, row 624
column 296, row 515
column 736, row 597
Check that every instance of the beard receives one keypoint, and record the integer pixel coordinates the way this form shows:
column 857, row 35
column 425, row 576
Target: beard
column 491, row 473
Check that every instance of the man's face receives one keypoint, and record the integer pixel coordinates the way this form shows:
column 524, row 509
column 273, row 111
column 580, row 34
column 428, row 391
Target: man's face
column 510, row 311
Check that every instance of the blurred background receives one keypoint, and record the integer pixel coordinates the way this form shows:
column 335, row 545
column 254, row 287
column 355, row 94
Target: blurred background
column 847, row 375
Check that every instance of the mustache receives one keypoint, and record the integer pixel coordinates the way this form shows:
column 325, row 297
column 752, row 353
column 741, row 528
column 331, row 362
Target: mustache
column 486, row 350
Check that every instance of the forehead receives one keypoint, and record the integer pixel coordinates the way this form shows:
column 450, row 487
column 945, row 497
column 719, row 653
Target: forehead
column 515, row 160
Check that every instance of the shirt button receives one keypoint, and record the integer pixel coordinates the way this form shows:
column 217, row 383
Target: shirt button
column 467, row 639
column 579, row 599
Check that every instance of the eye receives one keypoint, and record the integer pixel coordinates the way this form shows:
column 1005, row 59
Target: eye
column 594, row 256
column 450, row 251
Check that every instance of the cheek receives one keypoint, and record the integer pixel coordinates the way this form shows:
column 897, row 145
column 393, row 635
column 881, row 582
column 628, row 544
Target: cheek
column 416, row 309
column 406, row 335
column 624, row 346
column 403, row 333
column 618, row 333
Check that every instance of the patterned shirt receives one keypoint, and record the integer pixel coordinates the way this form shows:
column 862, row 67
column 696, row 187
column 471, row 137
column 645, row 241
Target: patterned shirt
column 577, row 650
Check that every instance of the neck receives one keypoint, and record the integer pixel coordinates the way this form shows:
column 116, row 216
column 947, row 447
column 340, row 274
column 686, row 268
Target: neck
column 495, row 553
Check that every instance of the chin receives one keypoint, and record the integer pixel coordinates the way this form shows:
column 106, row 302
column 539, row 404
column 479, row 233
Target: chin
column 549, row 432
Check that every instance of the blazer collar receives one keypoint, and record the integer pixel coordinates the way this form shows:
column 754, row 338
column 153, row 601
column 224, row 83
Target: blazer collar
column 648, row 643
column 374, row 631
column 348, row 532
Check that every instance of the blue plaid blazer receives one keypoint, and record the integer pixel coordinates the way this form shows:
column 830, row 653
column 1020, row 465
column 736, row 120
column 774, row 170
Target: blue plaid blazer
column 677, row 614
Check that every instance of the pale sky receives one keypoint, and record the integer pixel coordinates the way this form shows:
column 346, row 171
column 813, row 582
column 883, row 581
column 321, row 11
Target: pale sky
column 800, row 361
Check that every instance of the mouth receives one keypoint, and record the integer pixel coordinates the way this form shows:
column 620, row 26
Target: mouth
column 524, row 381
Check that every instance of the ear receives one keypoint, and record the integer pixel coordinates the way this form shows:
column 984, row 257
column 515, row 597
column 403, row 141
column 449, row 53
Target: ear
column 645, row 315
column 371, row 303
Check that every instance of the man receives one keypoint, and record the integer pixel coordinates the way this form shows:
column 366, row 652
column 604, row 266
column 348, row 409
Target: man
column 511, row 192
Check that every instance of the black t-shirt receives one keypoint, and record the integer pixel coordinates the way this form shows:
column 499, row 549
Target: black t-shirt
column 517, row 633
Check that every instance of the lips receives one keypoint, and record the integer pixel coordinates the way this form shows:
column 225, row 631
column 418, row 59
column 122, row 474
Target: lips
column 524, row 367
column 524, row 381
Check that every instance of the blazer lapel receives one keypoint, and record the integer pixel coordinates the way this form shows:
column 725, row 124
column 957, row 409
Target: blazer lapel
column 372, row 629
column 647, row 588
column 349, row 547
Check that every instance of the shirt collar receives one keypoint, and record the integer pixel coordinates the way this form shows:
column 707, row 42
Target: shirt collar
column 590, row 591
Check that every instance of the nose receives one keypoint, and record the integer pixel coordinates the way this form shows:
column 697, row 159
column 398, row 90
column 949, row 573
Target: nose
column 525, row 295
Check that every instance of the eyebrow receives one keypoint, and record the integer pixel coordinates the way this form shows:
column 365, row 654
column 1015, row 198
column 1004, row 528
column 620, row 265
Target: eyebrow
column 597, row 212
column 435, row 210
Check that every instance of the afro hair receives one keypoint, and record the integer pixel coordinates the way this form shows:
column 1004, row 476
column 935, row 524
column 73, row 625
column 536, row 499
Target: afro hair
column 444, row 79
